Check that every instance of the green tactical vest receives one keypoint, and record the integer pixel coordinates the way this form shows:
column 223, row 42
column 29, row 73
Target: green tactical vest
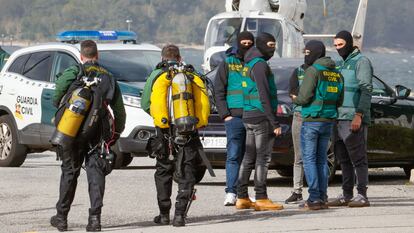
column 300, row 72
column 351, row 89
column 327, row 93
column 3, row 58
column 250, row 93
column 146, row 93
column 234, row 96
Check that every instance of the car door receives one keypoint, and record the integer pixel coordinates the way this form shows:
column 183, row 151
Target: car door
column 32, row 72
column 62, row 61
column 390, row 134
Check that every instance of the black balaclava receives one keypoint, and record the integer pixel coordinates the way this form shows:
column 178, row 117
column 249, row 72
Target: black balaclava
column 349, row 46
column 242, row 49
column 317, row 50
column 261, row 45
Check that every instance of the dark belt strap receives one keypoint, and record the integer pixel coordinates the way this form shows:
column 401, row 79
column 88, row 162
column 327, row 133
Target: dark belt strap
column 183, row 95
column 206, row 162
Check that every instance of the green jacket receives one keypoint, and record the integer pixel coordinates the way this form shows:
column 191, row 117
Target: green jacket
column 3, row 57
column 357, row 72
column 308, row 89
column 117, row 105
column 146, row 93
column 234, row 97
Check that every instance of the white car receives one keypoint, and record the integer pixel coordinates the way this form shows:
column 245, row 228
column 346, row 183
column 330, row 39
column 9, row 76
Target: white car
column 27, row 87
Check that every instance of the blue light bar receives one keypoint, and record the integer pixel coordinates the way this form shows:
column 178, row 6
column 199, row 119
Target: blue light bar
column 76, row 36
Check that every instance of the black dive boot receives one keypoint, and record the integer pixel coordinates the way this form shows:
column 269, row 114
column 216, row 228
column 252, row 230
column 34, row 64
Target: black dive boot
column 179, row 220
column 162, row 219
column 94, row 223
column 60, row 222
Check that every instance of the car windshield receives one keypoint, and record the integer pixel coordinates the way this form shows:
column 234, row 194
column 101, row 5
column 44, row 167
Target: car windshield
column 271, row 26
column 223, row 31
column 129, row 65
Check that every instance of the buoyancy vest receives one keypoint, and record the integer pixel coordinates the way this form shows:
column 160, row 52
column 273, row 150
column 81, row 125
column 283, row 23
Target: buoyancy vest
column 179, row 96
column 327, row 93
column 300, row 72
column 146, row 93
column 251, row 96
column 352, row 92
column 234, row 96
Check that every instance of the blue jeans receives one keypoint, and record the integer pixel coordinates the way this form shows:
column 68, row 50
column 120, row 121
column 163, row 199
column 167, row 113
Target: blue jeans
column 236, row 141
column 314, row 142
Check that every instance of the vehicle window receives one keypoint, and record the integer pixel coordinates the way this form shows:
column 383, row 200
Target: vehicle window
column 223, row 31
column 18, row 64
column 129, row 65
column 379, row 89
column 271, row 26
column 62, row 62
column 38, row 66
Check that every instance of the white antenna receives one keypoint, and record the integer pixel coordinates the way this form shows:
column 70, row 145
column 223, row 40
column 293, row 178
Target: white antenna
column 359, row 25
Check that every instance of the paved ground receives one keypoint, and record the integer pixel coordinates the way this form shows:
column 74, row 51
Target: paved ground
column 28, row 195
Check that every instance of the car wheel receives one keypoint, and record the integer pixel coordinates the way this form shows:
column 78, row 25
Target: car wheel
column 12, row 154
column 127, row 160
column 331, row 164
column 122, row 160
column 200, row 172
column 407, row 171
column 286, row 172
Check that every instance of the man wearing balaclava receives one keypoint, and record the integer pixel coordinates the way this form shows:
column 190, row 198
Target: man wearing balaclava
column 3, row 57
column 259, row 118
column 320, row 95
column 229, row 102
column 353, row 120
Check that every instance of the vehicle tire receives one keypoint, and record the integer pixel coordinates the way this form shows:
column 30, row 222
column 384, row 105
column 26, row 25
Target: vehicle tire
column 331, row 164
column 200, row 172
column 122, row 160
column 407, row 171
column 12, row 154
column 127, row 160
column 285, row 172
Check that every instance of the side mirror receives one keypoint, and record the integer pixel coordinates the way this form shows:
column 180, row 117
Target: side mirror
column 402, row 92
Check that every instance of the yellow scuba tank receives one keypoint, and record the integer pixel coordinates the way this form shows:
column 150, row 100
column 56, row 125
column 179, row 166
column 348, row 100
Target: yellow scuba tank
column 181, row 98
column 73, row 116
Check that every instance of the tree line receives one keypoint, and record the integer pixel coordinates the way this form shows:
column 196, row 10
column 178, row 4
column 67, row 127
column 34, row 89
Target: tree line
column 184, row 21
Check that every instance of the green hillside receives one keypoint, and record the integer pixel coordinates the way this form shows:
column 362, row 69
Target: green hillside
column 184, row 21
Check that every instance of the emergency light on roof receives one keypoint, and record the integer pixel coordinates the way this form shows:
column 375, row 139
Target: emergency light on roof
column 74, row 37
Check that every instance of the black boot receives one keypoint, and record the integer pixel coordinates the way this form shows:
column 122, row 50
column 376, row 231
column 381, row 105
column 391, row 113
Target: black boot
column 94, row 223
column 60, row 222
column 162, row 219
column 178, row 220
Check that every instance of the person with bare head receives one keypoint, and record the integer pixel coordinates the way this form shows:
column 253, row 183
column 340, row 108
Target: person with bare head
column 89, row 76
column 176, row 152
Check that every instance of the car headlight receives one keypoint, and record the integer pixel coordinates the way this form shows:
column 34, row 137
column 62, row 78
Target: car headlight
column 132, row 101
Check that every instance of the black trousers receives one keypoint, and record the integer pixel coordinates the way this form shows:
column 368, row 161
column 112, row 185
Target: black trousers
column 72, row 159
column 351, row 151
column 165, row 169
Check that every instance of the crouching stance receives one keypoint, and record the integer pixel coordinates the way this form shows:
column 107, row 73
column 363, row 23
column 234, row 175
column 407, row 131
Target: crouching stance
column 176, row 98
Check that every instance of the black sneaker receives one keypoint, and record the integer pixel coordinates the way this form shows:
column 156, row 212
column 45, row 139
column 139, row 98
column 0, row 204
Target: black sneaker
column 162, row 219
column 339, row 201
column 94, row 223
column 294, row 198
column 178, row 221
column 359, row 201
column 60, row 222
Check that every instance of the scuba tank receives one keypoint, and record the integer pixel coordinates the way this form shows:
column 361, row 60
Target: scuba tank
column 74, row 114
column 179, row 96
column 183, row 104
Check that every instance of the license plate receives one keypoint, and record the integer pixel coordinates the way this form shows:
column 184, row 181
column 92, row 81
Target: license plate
column 214, row 142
